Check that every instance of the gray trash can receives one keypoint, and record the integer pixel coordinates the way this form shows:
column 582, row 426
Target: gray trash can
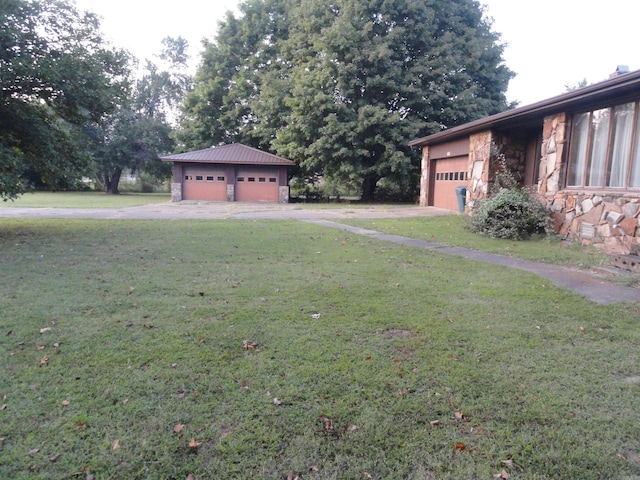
column 461, row 193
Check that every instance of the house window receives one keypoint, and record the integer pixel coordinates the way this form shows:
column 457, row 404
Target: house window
column 209, row 179
column 605, row 148
column 221, row 179
column 262, row 179
column 252, row 179
column 272, row 180
column 240, row 179
column 198, row 177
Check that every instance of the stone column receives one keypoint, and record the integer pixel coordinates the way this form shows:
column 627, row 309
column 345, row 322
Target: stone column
column 424, row 178
column 479, row 164
column 283, row 194
column 176, row 192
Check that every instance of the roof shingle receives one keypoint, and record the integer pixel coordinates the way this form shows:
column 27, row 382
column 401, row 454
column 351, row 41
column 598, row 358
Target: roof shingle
column 235, row 153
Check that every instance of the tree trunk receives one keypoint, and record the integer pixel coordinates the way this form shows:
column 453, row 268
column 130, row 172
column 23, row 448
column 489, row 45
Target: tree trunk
column 112, row 182
column 369, row 187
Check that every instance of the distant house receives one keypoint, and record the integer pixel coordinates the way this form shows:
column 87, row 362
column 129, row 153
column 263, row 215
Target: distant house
column 580, row 152
column 229, row 173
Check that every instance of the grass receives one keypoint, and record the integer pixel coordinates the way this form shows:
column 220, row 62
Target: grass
column 85, row 200
column 372, row 360
column 450, row 230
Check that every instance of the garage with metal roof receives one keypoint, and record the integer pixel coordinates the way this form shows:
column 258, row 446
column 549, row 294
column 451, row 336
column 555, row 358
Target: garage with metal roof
column 230, row 173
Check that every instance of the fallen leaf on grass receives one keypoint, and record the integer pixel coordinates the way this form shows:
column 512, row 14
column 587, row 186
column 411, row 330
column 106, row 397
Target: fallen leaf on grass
column 327, row 423
column 45, row 329
column 458, row 415
column 115, row 445
column 455, row 358
column 190, row 477
column 40, row 347
column 434, row 423
column 44, row 360
column 277, row 401
column 502, row 474
column 460, row 446
column 65, row 403
column 81, row 472
column 55, row 458
column 194, row 443
column 3, row 407
column 178, row 428
column 352, row 428
column 368, row 476
column 312, row 469
column 33, row 451
column 507, row 463
column 249, row 345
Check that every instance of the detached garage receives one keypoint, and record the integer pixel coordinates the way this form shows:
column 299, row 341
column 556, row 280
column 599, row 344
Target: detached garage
column 230, row 173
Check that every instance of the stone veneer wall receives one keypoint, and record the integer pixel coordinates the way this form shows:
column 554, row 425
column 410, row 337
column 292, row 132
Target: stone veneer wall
column 283, row 194
column 480, row 168
column 176, row 192
column 604, row 219
column 424, row 178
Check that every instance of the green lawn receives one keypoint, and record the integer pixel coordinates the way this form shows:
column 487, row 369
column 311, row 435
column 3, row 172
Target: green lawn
column 275, row 350
column 450, row 230
column 85, row 200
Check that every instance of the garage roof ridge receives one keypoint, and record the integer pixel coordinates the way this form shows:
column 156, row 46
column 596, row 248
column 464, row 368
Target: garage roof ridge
column 233, row 153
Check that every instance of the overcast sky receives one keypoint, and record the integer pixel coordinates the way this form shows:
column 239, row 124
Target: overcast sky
column 549, row 42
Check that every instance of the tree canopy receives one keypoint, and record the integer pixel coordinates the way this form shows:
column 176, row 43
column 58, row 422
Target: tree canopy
column 341, row 87
column 56, row 74
column 140, row 129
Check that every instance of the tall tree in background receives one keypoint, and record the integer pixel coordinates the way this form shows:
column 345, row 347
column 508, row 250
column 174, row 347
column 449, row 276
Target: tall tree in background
column 56, row 75
column 341, row 87
column 140, row 130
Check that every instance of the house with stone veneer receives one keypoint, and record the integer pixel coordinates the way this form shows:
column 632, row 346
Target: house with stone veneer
column 579, row 152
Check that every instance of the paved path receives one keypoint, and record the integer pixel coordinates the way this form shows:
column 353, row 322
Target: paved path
column 593, row 286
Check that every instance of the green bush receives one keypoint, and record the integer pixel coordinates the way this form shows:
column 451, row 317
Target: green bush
column 510, row 213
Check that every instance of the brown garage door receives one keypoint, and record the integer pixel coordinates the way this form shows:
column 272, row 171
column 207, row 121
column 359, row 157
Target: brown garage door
column 202, row 183
column 257, row 185
column 449, row 174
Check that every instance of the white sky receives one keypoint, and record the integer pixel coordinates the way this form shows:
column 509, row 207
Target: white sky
column 549, row 42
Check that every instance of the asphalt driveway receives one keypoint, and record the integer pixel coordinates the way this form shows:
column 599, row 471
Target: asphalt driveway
column 226, row 210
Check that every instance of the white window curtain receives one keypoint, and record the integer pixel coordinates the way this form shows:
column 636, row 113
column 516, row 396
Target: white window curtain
column 621, row 144
column 578, row 160
column 599, row 140
column 635, row 165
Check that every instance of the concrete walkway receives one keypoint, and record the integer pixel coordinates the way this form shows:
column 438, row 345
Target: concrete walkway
column 592, row 286
column 595, row 287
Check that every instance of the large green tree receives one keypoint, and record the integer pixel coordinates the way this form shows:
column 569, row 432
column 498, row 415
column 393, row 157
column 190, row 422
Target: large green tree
column 341, row 87
column 56, row 75
column 140, row 130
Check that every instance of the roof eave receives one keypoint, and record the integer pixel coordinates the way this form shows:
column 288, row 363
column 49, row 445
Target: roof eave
column 545, row 107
